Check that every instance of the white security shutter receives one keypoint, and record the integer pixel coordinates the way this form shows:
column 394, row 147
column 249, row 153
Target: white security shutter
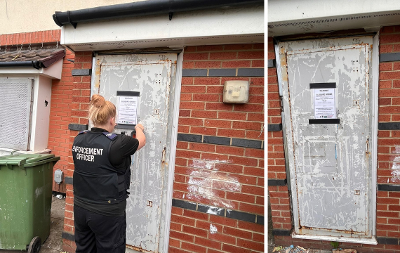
column 15, row 112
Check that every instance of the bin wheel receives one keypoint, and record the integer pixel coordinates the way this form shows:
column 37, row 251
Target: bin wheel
column 35, row 245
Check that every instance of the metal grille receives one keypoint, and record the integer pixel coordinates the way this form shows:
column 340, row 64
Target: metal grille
column 15, row 112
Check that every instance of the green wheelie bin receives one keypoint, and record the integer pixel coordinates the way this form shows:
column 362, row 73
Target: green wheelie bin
column 25, row 200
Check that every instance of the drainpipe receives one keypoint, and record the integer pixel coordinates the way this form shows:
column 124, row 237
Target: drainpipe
column 143, row 8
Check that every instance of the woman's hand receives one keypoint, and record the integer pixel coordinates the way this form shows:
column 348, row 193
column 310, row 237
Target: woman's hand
column 140, row 135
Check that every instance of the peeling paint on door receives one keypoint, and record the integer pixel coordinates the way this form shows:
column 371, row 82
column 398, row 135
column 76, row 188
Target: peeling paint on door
column 151, row 75
column 330, row 164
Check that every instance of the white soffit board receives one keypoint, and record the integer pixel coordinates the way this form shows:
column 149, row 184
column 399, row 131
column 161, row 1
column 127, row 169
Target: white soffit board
column 307, row 16
column 53, row 72
column 216, row 26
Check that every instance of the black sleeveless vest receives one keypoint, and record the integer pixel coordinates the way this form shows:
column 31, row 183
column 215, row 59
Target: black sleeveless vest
column 96, row 180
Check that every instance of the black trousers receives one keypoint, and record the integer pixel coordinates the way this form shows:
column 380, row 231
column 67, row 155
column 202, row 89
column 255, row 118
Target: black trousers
column 96, row 233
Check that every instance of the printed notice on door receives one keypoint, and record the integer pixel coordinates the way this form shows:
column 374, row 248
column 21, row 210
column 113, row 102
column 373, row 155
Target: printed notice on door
column 127, row 110
column 324, row 104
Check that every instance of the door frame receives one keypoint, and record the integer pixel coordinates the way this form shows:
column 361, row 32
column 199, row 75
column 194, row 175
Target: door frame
column 289, row 161
column 173, row 127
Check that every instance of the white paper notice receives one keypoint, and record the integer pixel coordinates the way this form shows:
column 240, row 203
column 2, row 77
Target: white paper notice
column 324, row 103
column 127, row 110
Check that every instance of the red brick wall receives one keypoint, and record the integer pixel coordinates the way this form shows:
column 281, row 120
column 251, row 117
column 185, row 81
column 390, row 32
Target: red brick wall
column 388, row 201
column 80, row 90
column 232, row 177
column 18, row 39
column 60, row 117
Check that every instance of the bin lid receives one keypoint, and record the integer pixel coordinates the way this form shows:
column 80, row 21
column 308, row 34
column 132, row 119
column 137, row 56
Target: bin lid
column 28, row 160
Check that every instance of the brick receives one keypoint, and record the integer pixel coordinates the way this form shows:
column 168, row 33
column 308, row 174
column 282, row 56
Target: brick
column 196, row 215
column 392, row 38
column 249, row 108
column 210, row 48
column 223, row 221
column 188, row 65
column 240, row 197
column 389, row 75
column 257, row 63
column 231, row 168
column 192, row 105
column 203, row 130
column 174, row 243
column 208, row 243
column 204, row 114
column 207, row 81
column 234, row 249
column 206, row 226
column 194, row 231
column 191, row 121
column 181, row 236
column 251, row 55
column 251, row 226
column 217, row 123
column 252, row 208
column 186, row 97
column 207, row 64
column 215, row 89
column 206, row 97
column 175, row 250
column 187, row 154
column 253, row 171
column 195, row 56
column 193, row 247
column 231, row 133
column 247, row 125
column 193, row 89
column 236, row 64
column 222, row 238
column 184, row 113
column 219, row 106
column 238, row 47
column 250, row 245
column 230, row 150
column 187, row 80
column 223, row 55
column 256, row 117
column 257, row 191
column 243, row 161
column 232, row 115
column 202, row 147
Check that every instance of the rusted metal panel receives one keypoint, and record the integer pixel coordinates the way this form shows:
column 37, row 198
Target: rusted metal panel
column 151, row 75
column 329, row 164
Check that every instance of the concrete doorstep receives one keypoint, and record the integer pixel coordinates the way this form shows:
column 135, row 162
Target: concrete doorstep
column 53, row 244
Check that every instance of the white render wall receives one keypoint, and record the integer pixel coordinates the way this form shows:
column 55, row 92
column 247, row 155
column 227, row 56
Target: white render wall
column 18, row 16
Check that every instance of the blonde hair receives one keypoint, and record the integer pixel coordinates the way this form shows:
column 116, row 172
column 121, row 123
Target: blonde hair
column 100, row 110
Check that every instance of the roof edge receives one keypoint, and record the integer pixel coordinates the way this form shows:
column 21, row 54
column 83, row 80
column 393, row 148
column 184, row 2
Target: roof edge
column 142, row 8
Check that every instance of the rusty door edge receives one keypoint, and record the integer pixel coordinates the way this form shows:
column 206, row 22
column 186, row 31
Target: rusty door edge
column 167, row 199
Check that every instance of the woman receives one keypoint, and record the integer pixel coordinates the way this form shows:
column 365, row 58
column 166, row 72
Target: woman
column 102, row 162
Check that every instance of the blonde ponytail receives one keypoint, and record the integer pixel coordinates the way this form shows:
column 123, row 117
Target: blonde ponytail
column 100, row 110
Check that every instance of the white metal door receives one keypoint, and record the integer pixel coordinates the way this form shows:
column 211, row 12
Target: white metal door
column 327, row 119
column 153, row 75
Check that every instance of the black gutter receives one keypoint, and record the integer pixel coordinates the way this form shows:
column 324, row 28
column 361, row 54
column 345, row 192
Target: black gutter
column 35, row 64
column 143, row 8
